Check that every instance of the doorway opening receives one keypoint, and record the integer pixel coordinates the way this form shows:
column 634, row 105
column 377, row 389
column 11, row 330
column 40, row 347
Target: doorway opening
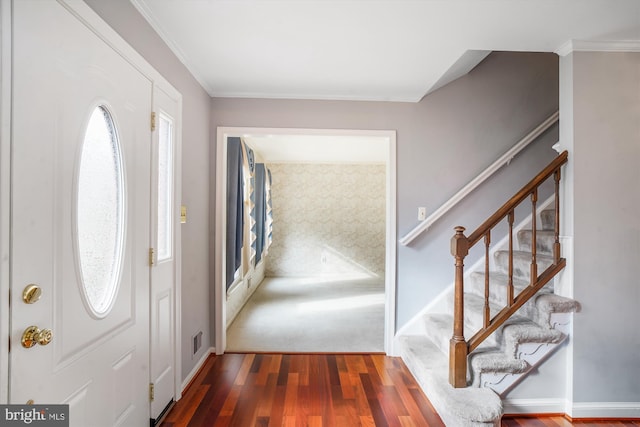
column 285, row 148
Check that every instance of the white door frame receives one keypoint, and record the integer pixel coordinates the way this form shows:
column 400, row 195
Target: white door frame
column 95, row 23
column 221, row 212
column 5, row 194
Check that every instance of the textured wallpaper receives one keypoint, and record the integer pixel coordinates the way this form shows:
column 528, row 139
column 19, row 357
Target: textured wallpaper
column 328, row 220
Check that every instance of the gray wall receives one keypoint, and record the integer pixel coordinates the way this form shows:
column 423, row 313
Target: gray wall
column 603, row 92
column 126, row 20
column 443, row 142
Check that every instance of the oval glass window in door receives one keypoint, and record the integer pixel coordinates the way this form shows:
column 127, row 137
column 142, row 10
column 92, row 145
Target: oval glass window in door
column 100, row 213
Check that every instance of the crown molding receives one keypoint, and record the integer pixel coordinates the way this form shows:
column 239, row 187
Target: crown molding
column 598, row 46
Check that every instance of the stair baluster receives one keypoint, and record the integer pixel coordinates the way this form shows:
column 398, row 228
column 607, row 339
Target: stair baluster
column 511, row 219
column 487, row 309
column 534, row 262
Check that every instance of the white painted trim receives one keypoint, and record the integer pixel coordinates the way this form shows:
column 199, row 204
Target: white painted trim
column 143, row 9
column 220, row 225
column 415, row 326
column 220, row 251
column 534, row 406
column 563, row 284
column 598, row 46
column 576, row 410
column 483, row 176
column 391, row 249
column 196, row 369
column 5, row 192
column 605, row 410
column 178, row 256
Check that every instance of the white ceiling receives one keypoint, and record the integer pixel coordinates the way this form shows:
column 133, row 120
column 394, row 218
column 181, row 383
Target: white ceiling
column 388, row 50
column 382, row 50
column 305, row 148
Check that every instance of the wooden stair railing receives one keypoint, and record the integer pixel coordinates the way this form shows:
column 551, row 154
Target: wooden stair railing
column 459, row 348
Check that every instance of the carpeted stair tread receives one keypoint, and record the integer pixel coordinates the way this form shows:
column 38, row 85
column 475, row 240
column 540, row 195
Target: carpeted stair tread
column 549, row 304
column 498, row 283
column 553, row 303
column 545, row 240
column 495, row 362
column 469, row 406
column 527, row 332
column 521, row 263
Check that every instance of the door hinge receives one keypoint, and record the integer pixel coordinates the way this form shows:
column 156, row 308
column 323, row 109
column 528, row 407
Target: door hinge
column 152, row 392
column 153, row 120
column 151, row 253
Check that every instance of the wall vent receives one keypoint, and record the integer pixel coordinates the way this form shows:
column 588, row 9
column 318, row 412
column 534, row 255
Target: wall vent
column 197, row 342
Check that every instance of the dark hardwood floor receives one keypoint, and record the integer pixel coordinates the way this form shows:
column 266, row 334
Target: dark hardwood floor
column 317, row 390
column 303, row 390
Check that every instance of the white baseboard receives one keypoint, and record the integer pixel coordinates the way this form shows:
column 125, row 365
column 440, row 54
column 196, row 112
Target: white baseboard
column 197, row 367
column 534, row 406
column 605, row 410
column 575, row 410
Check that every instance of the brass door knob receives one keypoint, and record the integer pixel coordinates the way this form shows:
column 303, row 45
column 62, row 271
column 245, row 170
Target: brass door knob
column 34, row 335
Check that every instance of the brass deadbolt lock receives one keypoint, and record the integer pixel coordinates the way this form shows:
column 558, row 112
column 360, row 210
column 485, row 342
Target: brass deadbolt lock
column 34, row 335
column 31, row 294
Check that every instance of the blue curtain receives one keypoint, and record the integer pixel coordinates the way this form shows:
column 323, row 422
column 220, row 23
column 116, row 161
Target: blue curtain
column 260, row 210
column 234, row 208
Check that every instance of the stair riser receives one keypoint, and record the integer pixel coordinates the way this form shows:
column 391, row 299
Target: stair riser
column 521, row 264
column 548, row 219
column 497, row 288
column 544, row 242
column 473, row 322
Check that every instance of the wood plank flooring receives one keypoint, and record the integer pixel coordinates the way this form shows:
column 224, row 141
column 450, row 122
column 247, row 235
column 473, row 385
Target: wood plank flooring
column 343, row 390
column 319, row 390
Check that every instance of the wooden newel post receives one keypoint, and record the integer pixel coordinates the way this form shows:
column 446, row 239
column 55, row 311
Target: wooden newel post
column 458, row 348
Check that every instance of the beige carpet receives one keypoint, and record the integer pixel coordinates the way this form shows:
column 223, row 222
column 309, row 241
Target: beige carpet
column 311, row 315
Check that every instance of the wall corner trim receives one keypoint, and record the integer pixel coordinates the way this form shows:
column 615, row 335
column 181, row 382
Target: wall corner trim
column 598, row 46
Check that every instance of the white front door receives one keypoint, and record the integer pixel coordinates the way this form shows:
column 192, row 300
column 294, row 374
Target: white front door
column 80, row 221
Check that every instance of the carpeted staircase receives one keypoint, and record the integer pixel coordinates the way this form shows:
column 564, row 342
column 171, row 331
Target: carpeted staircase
column 509, row 354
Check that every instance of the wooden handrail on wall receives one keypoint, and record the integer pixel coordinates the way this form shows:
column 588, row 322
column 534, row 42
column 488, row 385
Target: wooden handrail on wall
column 475, row 183
column 459, row 348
